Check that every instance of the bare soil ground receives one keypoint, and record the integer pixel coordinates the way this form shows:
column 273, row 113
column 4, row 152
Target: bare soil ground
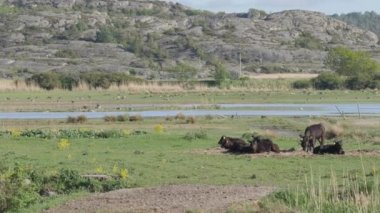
column 297, row 153
column 175, row 198
column 284, row 76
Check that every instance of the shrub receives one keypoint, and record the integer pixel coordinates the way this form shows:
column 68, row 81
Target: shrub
column 69, row 80
column 121, row 118
column 358, row 82
column 71, row 120
column 134, row 118
column 109, row 118
column 48, row 80
column 190, row 120
column 66, row 53
column 328, row 80
column 16, row 188
column 308, row 41
column 301, row 84
column 190, row 136
column 159, row 128
column 209, row 117
column 79, row 119
column 180, row 116
column 63, row 144
column 107, row 35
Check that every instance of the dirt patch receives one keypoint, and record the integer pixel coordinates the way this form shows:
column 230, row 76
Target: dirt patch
column 178, row 198
column 297, row 153
column 284, row 76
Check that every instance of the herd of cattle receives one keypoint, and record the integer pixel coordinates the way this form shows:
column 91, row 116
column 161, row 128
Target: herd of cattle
column 259, row 145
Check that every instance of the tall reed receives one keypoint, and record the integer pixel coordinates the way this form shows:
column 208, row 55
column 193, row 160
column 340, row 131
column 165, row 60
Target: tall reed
column 350, row 193
column 165, row 87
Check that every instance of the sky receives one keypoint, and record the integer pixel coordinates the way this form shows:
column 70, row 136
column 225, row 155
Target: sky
column 328, row 7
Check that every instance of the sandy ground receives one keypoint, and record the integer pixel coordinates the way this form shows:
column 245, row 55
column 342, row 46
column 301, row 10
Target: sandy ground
column 297, row 153
column 174, row 198
column 284, row 76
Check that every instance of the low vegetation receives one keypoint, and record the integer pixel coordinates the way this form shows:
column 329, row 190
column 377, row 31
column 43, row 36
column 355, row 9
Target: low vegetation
column 158, row 151
column 354, row 70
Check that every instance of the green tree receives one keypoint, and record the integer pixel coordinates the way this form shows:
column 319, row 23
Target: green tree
column 347, row 62
column 183, row 71
column 328, row 80
column 221, row 74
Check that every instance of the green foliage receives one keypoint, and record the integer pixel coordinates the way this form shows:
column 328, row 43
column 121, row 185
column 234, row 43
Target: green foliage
column 363, row 81
column 78, row 119
column 141, row 12
column 69, row 80
column 308, row 41
column 347, row 62
column 47, row 80
column 52, row 80
column 7, row 10
column 66, row 53
column 221, row 75
column 105, row 80
column 328, row 80
column 22, row 186
column 67, row 133
column 107, row 35
column 192, row 12
column 183, row 71
column 198, row 135
column 16, row 188
column 73, row 32
column 357, row 194
column 135, row 118
column 301, row 84
column 255, row 13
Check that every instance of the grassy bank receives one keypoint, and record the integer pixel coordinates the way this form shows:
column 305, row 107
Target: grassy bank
column 60, row 100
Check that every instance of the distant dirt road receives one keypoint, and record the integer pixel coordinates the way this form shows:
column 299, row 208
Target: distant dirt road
column 177, row 198
column 284, row 76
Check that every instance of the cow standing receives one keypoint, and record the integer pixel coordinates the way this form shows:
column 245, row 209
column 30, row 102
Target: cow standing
column 312, row 133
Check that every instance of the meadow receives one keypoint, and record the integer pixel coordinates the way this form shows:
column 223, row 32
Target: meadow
column 163, row 151
column 51, row 156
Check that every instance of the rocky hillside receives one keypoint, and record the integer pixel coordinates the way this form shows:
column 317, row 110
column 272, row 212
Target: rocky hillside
column 160, row 40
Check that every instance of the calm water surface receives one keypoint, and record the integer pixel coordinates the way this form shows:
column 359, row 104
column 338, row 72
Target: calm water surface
column 221, row 110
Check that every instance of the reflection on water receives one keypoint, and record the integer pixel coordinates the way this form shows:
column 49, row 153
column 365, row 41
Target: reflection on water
column 222, row 110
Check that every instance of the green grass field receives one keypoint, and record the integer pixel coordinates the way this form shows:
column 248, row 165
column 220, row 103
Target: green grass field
column 168, row 157
column 60, row 100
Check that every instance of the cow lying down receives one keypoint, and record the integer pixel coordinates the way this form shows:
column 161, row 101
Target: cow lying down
column 258, row 145
column 234, row 144
column 336, row 149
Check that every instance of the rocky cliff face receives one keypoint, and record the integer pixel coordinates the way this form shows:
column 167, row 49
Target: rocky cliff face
column 150, row 38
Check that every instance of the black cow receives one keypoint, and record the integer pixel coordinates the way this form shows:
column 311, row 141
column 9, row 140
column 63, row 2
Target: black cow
column 330, row 149
column 312, row 133
column 234, row 144
column 259, row 145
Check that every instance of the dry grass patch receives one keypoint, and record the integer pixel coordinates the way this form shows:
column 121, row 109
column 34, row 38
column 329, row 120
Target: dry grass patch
column 17, row 85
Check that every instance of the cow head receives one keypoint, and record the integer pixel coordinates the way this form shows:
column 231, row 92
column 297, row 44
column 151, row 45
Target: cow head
column 225, row 142
column 222, row 140
column 306, row 143
column 339, row 148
